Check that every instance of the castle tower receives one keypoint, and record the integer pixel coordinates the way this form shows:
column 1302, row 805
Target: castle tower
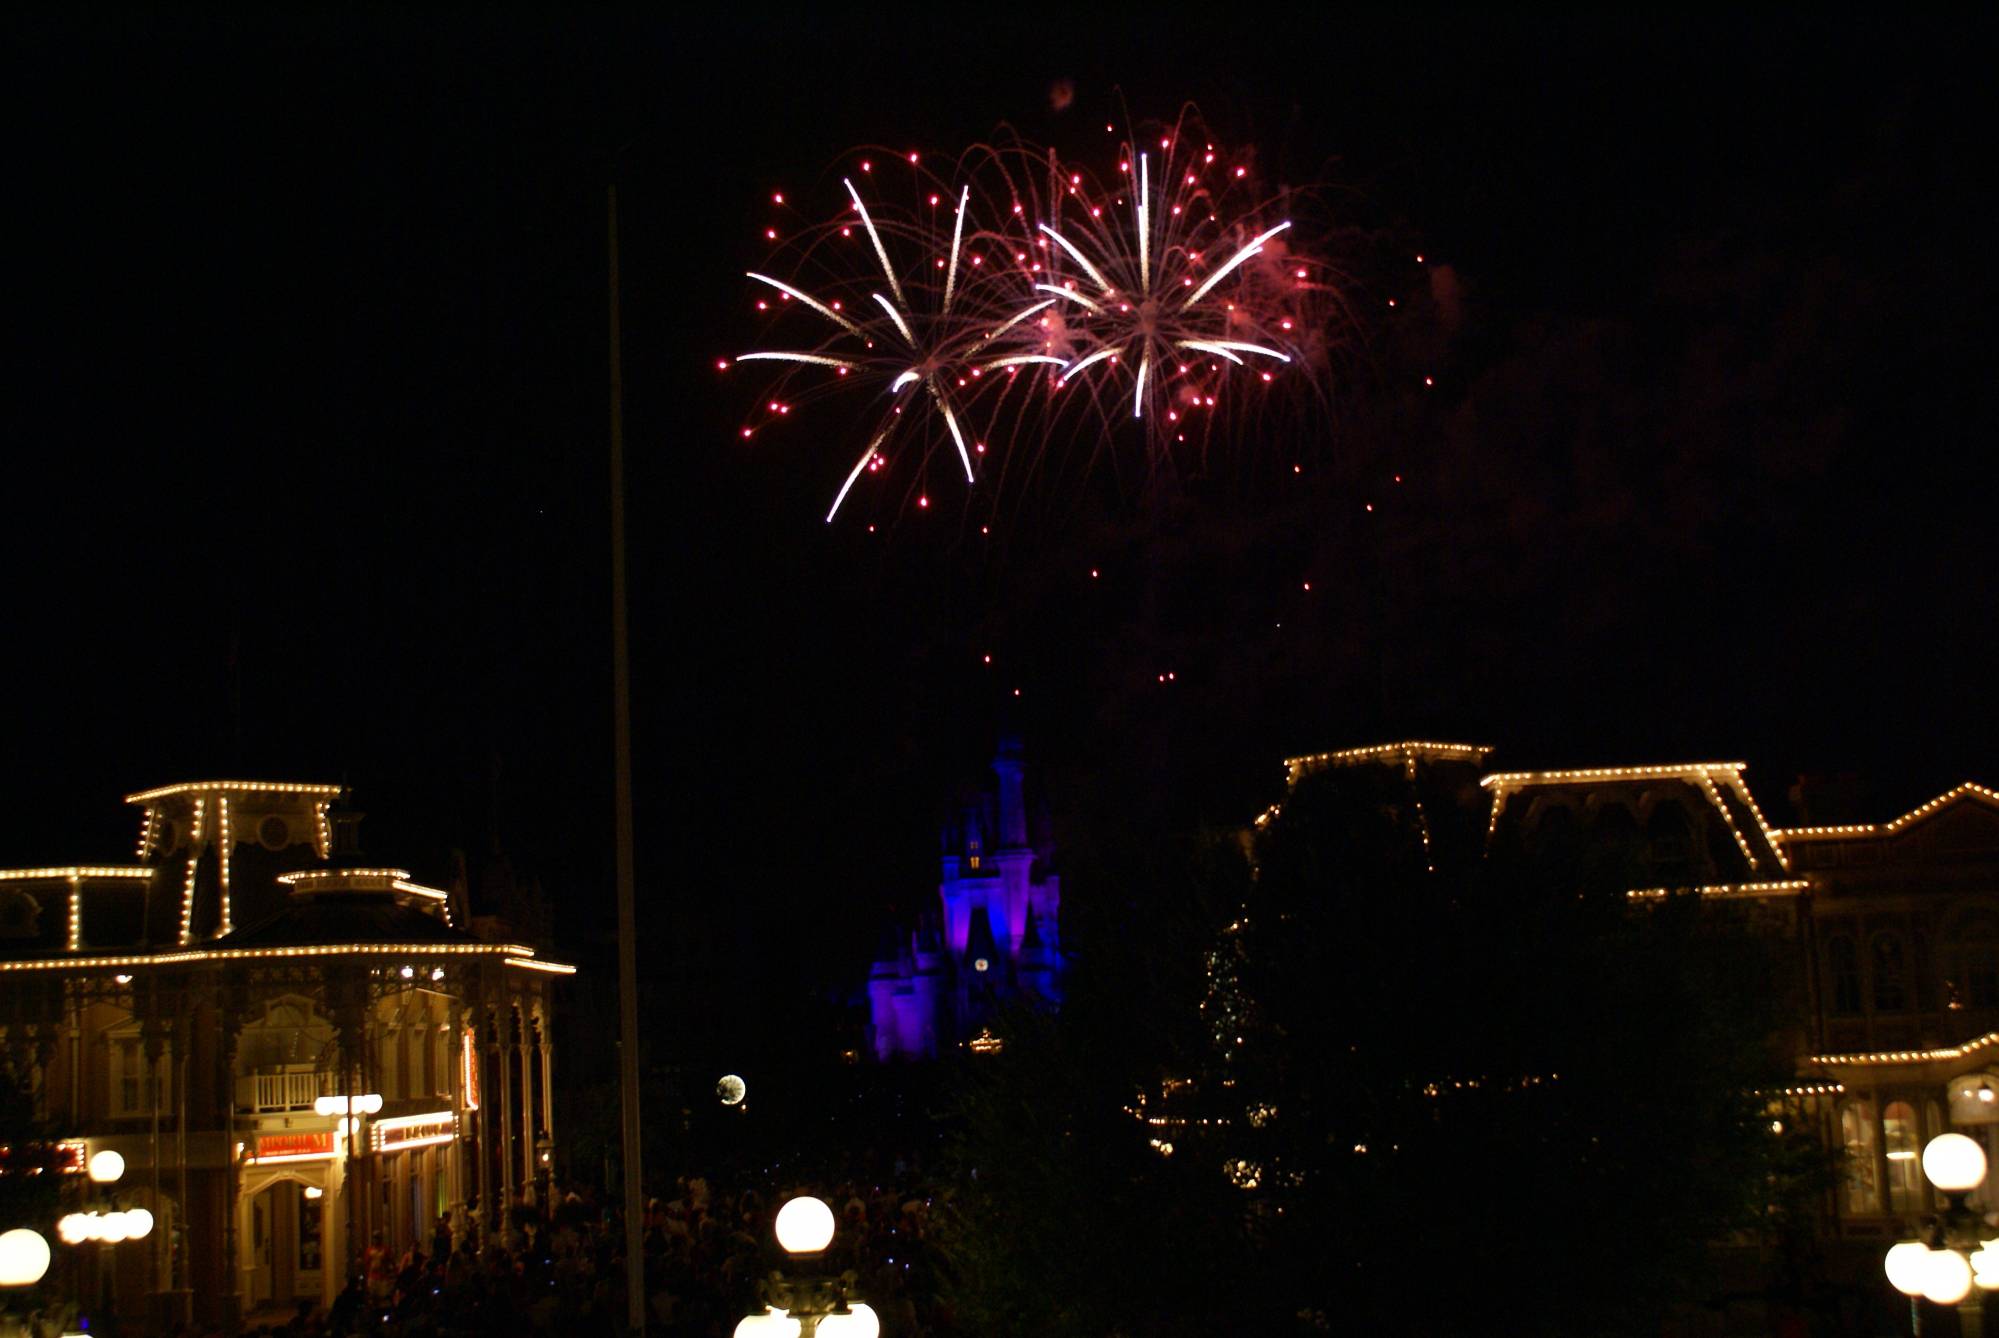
column 995, row 939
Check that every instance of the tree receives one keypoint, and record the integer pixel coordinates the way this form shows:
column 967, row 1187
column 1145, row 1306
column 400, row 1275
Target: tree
column 1408, row 1083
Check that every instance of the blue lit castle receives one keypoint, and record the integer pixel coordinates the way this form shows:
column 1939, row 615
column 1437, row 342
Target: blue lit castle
column 994, row 939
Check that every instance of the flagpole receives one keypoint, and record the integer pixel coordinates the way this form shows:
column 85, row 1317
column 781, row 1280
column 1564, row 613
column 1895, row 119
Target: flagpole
column 621, row 712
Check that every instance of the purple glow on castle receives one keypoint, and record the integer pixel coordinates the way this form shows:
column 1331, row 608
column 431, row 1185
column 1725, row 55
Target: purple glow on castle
column 995, row 939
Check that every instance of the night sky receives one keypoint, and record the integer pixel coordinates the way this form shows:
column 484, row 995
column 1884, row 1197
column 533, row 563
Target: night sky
column 305, row 416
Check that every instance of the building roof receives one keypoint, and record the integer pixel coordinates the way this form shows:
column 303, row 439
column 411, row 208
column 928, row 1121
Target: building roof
column 1720, row 783
column 1969, row 791
column 1407, row 752
column 313, row 789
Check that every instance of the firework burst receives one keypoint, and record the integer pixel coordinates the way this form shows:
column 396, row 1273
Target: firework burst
column 901, row 306
column 1016, row 302
column 1179, row 289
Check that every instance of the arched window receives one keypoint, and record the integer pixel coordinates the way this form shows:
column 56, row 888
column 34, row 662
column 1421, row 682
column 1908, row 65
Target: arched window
column 1555, row 832
column 1843, row 972
column 1903, row 1141
column 1891, row 990
column 1860, row 1173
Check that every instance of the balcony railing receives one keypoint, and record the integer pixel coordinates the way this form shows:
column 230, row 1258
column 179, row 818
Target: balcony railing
column 269, row 1091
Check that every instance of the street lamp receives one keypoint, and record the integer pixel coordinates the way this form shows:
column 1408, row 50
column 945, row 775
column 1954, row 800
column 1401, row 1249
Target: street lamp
column 815, row 1303
column 24, row 1257
column 106, row 1168
column 1953, row 1254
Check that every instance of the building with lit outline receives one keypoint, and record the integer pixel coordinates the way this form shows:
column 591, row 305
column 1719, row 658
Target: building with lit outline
column 207, row 1011
column 1890, row 932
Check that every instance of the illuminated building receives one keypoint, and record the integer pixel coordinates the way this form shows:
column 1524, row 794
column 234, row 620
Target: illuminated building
column 994, row 940
column 209, row 1010
column 1891, row 952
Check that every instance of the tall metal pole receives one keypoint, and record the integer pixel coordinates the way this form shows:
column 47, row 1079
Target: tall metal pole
column 621, row 728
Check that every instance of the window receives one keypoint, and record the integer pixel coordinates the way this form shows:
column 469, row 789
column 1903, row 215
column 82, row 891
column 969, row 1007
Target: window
column 133, row 1090
column 1891, row 993
column 1843, row 967
column 1900, row 1135
column 1859, row 1171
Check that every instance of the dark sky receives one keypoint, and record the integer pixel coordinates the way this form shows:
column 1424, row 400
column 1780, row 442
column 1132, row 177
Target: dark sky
column 306, row 426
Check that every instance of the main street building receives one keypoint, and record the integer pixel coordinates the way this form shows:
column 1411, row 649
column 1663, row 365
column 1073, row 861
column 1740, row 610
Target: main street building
column 1890, row 935
column 296, row 1054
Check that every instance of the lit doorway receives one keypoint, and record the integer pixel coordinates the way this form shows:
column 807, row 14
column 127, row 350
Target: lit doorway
column 287, row 1246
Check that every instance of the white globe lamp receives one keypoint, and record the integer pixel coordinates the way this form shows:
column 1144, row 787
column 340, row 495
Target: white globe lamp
column 113, row 1227
column 1908, row 1267
column 24, row 1257
column 804, row 1225
column 770, row 1324
column 858, row 1322
column 1948, row 1279
column 73, row 1228
column 1954, row 1164
column 1985, row 1265
column 138, row 1223
column 106, row 1166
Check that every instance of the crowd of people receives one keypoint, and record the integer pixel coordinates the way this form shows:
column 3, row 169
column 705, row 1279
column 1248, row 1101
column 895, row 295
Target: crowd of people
column 706, row 1249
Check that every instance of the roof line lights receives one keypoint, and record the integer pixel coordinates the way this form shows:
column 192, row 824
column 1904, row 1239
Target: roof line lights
column 552, row 968
column 206, row 787
column 1894, row 825
column 1783, row 887
column 1682, row 770
column 90, row 871
column 1874, row 1057
column 514, row 953
column 420, row 890
column 323, row 875
column 1473, row 751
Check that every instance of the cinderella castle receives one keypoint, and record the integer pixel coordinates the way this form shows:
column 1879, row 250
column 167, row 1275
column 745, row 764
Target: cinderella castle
column 993, row 941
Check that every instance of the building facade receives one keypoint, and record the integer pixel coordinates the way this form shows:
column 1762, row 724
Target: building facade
column 994, row 939
column 1889, row 968
column 300, row 1057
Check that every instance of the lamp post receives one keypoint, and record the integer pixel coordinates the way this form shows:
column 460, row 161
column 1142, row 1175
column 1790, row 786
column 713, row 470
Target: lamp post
column 110, row 1226
column 815, row 1302
column 1956, row 1257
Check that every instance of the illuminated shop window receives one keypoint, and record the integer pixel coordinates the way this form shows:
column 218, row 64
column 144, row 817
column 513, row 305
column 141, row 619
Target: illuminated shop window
column 1903, row 1140
column 1860, row 1172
